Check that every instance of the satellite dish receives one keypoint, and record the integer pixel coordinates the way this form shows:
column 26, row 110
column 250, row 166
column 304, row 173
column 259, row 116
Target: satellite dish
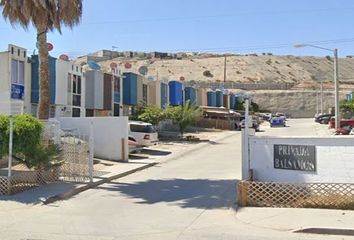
column 113, row 65
column 50, row 46
column 127, row 65
column 182, row 78
column 150, row 78
column 93, row 65
column 64, row 57
column 143, row 70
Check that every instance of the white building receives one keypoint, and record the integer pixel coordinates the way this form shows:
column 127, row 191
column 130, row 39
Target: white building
column 15, row 80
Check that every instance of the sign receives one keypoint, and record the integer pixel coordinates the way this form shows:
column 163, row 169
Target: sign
column 295, row 157
column 17, row 91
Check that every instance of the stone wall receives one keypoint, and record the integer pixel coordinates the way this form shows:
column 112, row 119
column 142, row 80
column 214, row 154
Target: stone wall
column 297, row 104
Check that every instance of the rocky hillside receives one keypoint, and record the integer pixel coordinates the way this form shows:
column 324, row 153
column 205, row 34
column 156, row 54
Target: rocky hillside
column 300, row 72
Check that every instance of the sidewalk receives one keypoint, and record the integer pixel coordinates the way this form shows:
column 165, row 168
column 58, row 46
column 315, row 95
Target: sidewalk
column 113, row 170
column 291, row 219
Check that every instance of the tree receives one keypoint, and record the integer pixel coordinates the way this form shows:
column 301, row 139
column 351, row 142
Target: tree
column 152, row 114
column 44, row 15
column 183, row 116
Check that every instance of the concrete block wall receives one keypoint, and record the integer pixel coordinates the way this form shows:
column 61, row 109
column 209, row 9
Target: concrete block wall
column 334, row 159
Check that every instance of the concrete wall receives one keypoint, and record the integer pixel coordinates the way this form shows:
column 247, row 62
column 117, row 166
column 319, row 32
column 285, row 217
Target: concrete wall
column 154, row 93
column 298, row 104
column 334, row 159
column 94, row 89
column 202, row 97
column 4, row 72
column 108, row 134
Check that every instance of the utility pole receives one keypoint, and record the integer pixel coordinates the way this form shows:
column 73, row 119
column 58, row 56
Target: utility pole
column 224, row 68
column 321, row 96
column 336, row 89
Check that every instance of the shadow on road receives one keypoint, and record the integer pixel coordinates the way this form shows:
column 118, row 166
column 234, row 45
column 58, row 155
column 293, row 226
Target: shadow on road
column 186, row 193
column 155, row 152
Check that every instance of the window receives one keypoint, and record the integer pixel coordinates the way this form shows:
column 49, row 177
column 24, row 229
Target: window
column 17, row 72
column 116, row 85
column 76, row 84
column 76, row 100
column 69, row 83
column 76, row 112
column 18, row 52
column 145, row 93
column 142, row 128
column 76, row 90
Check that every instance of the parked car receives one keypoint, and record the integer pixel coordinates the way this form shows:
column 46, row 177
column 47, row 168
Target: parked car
column 323, row 118
column 255, row 125
column 343, row 122
column 133, row 145
column 277, row 122
column 345, row 130
column 352, row 132
column 281, row 115
column 144, row 133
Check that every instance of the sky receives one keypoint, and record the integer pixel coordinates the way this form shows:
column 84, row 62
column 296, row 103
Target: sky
column 232, row 26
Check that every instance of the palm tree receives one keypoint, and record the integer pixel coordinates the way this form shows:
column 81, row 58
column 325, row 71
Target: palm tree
column 44, row 15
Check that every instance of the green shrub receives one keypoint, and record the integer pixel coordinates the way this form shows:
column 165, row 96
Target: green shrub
column 27, row 132
column 152, row 114
column 184, row 115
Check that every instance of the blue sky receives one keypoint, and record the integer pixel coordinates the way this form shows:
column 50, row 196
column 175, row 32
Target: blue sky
column 202, row 25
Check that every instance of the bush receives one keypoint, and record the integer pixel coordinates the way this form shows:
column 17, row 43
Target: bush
column 183, row 116
column 27, row 132
column 152, row 114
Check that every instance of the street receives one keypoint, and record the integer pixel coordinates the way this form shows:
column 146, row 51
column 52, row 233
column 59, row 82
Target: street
column 192, row 197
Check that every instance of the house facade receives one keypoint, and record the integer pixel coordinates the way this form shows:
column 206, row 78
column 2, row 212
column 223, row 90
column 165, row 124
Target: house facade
column 15, row 81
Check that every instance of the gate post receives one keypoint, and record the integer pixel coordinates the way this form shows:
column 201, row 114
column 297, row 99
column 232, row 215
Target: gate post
column 91, row 150
column 9, row 170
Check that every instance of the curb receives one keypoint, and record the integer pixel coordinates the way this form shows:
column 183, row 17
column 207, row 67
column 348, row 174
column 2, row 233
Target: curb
column 68, row 194
column 75, row 191
column 326, row 231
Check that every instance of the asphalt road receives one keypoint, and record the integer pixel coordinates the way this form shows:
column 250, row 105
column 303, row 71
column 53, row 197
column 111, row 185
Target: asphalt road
column 192, row 197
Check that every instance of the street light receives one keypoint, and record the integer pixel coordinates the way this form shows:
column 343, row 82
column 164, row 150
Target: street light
column 336, row 82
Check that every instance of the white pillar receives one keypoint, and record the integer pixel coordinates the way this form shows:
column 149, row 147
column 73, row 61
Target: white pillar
column 9, row 170
column 91, row 150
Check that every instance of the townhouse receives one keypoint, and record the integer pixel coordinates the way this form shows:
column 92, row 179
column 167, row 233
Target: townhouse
column 15, row 80
column 80, row 91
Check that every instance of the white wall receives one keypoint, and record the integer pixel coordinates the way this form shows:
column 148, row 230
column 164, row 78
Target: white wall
column 61, row 86
column 334, row 159
column 108, row 134
column 4, row 73
column 63, row 68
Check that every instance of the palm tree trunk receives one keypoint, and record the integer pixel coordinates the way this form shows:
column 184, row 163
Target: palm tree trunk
column 44, row 90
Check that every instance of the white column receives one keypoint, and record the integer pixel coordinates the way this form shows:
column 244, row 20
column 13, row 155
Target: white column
column 91, row 150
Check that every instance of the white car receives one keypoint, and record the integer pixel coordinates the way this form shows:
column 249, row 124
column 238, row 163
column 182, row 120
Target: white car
column 144, row 133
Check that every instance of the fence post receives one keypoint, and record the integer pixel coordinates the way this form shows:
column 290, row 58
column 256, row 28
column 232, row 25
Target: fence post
column 123, row 151
column 91, row 151
column 242, row 193
column 9, row 172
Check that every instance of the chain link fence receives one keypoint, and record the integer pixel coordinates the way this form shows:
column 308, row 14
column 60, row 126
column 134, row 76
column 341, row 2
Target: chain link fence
column 75, row 157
